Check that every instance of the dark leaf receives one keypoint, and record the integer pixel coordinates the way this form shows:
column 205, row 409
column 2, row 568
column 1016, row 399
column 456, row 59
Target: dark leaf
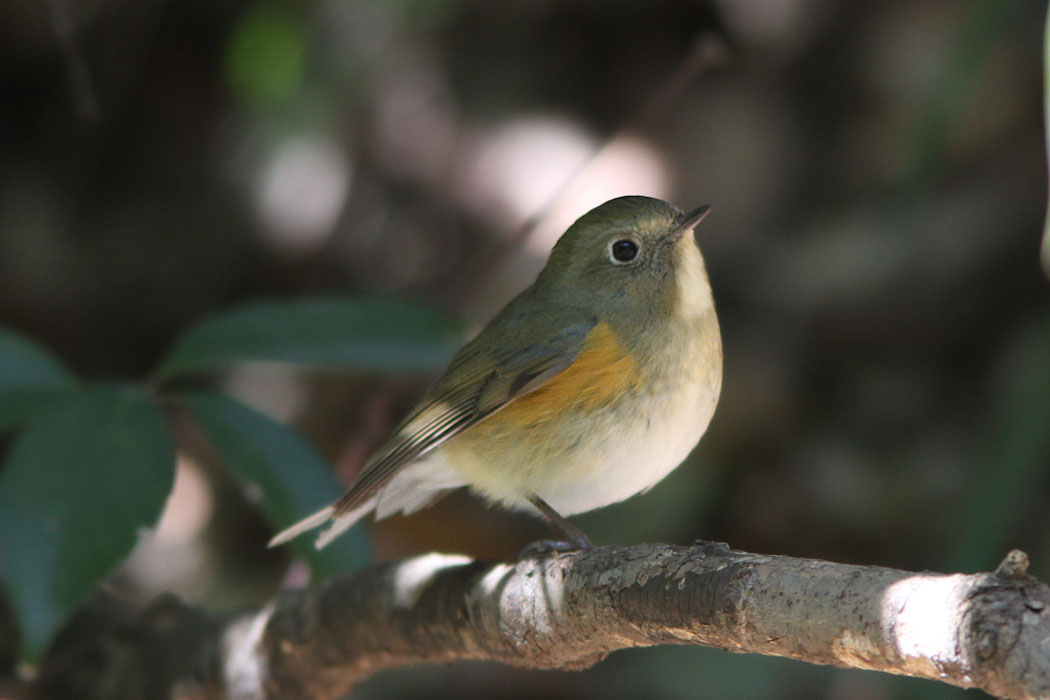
column 88, row 472
column 30, row 377
column 348, row 334
column 281, row 472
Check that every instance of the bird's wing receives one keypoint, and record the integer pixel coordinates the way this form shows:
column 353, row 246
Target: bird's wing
column 480, row 380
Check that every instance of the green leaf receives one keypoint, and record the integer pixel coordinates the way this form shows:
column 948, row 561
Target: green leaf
column 266, row 55
column 282, row 472
column 348, row 333
column 87, row 473
column 30, row 377
column 24, row 362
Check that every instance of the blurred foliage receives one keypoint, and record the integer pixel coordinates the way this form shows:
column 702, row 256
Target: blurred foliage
column 283, row 474
column 349, row 334
column 266, row 55
column 878, row 178
column 29, row 377
column 78, row 483
column 89, row 467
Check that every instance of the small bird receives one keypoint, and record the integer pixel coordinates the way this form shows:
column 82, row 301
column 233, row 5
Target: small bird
column 587, row 388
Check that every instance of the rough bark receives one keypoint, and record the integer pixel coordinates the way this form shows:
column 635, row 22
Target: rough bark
column 568, row 611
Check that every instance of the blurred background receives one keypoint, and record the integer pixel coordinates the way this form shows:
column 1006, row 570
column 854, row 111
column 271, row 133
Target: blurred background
column 878, row 178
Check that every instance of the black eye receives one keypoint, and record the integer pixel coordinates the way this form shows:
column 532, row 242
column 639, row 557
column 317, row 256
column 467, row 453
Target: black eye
column 623, row 250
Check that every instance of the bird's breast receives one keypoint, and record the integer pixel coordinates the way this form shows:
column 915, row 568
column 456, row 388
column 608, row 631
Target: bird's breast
column 602, row 373
column 612, row 424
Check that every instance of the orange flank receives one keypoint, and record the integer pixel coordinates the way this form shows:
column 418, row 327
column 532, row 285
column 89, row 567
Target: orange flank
column 602, row 371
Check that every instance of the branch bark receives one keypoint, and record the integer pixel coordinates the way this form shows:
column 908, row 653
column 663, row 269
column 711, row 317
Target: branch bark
column 568, row 611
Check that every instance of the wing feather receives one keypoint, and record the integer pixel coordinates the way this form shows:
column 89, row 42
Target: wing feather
column 478, row 383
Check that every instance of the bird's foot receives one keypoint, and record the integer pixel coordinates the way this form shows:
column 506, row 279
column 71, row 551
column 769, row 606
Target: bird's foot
column 543, row 548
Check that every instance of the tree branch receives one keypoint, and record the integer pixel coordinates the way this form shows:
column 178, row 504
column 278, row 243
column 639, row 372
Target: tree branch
column 568, row 611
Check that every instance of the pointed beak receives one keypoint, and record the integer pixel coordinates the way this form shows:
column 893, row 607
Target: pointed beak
column 687, row 223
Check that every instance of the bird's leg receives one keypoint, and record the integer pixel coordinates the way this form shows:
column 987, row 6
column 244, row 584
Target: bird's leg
column 571, row 538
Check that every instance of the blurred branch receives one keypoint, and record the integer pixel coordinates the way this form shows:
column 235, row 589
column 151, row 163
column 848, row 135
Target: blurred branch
column 569, row 611
column 708, row 52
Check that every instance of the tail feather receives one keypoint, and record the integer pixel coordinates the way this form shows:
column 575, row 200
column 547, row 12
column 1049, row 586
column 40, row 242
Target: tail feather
column 343, row 522
column 340, row 524
column 307, row 523
column 412, row 489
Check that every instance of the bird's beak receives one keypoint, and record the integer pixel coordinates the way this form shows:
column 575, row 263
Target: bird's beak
column 688, row 222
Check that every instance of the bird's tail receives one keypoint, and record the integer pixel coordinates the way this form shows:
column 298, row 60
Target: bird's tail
column 414, row 487
column 340, row 524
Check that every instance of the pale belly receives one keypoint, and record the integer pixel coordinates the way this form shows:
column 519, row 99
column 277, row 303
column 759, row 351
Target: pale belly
column 579, row 462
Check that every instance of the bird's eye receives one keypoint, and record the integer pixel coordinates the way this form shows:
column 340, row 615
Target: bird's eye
column 623, row 251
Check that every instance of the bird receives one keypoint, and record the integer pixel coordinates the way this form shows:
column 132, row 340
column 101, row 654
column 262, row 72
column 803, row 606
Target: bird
column 589, row 387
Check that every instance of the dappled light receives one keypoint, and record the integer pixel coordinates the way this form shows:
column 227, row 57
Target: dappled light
column 301, row 193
